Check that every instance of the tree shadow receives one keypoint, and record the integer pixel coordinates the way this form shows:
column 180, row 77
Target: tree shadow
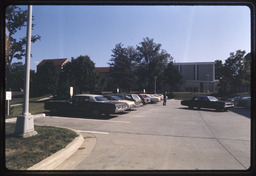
column 242, row 111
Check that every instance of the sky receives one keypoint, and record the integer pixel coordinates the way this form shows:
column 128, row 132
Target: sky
column 187, row 33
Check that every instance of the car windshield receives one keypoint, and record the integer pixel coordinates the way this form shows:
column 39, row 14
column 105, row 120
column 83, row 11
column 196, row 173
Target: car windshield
column 135, row 97
column 116, row 98
column 101, row 98
column 212, row 98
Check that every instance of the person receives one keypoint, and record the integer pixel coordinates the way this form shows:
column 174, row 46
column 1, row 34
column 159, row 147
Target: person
column 164, row 103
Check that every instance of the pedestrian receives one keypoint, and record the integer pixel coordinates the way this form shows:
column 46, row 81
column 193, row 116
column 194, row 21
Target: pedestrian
column 164, row 103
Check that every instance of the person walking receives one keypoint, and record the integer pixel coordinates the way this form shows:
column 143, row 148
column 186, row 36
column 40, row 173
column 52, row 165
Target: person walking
column 164, row 103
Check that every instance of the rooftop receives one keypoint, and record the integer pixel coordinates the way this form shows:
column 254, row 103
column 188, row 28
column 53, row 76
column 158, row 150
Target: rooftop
column 54, row 61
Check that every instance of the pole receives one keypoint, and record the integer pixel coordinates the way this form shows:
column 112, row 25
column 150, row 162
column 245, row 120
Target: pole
column 25, row 122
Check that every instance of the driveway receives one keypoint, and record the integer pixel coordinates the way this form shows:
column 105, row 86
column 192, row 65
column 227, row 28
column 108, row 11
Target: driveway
column 156, row 137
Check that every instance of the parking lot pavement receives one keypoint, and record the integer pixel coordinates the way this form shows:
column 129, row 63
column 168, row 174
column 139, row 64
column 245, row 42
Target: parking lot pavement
column 156, row 137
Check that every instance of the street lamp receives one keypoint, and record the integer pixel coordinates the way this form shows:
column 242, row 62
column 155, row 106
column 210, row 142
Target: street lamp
column 155, row 84
column 25, row 122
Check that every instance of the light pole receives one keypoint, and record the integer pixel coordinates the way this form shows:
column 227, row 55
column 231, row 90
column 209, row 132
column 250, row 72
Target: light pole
column 25, row 122
column 155, row 84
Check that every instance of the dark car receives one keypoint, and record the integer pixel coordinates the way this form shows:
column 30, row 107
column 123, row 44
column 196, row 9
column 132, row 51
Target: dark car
column 207, row 102
column 85, row 103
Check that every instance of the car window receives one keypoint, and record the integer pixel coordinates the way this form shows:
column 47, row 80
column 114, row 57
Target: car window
column 116, row 98
column 212, row 98
column 101, row 98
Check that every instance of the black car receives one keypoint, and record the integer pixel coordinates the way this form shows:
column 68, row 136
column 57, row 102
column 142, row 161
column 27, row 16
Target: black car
column 207, row 102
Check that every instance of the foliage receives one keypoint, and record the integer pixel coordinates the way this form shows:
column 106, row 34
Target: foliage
column 151, row 62
column 122, row 67
column 80, row 73
column 15, row 73
column 235, row 73
column 172, row 77
column 47, row 78
column 16, row 18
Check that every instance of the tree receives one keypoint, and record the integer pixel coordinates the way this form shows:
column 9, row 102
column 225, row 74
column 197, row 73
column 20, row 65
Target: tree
column 47, row 79
column 122, row 67
column 172, row 77
column 16, row 18
column 235, row 73
column 16, row 74
column 80, row 73
column 151, row 62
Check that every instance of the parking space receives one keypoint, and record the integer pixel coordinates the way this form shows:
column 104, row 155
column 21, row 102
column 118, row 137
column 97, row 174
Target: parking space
column 157, row 137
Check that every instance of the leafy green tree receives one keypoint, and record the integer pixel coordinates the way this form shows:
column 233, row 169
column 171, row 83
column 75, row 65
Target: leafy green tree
column 47, row 79
column 80, row 74
column 151, row 62
column 15, row 74
column 172, row 77
column 122, row 67
column 235, row 73
column 15, row 20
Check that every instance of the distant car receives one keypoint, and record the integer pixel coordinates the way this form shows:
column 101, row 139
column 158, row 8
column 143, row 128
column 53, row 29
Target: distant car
column 158, row 98
column 145, row 99
column 244, row 102
column 114, row 98
column 239, row 97
column 153, row 98
column 207, row 102
column 132, row 97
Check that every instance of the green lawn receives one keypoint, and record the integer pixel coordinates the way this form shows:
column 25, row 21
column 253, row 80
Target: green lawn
column 22, row 153
column 34, row 107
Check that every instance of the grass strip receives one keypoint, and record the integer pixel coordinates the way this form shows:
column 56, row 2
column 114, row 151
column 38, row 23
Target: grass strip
column 22, row 153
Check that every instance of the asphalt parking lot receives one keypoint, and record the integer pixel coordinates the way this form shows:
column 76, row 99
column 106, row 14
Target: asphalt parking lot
column 156, row 137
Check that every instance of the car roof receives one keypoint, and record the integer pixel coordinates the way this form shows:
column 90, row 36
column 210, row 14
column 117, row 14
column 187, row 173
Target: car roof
column 90, row 95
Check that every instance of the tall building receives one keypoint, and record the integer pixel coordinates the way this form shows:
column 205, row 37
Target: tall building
column 197, row 76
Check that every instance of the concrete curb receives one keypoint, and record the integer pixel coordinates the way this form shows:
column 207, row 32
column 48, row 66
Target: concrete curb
column 13, row 120
column 59, row 157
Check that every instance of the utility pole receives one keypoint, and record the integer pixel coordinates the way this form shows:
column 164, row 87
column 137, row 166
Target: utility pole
column 25, row 122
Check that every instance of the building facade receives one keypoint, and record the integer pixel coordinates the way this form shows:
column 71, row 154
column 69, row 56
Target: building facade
column 197, row 76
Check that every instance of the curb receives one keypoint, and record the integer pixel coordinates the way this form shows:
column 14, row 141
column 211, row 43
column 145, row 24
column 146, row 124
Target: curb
column 59, row 157
column 12, row 120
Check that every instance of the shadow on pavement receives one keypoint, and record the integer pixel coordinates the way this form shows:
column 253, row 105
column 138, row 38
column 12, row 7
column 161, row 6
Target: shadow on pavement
column 237, row 110
column 85, row 116
column 242, row 111
column 195, row 109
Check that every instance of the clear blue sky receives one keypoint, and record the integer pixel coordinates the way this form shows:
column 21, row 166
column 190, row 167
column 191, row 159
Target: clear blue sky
column 188, row 33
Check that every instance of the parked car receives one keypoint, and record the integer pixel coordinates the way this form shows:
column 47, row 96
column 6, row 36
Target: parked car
column 114, row 98
column 132, row 97
column 158, row 98
column 240, row 97
column 153, row 99
column 145, row 99
column 86, row 103
column 207, row 102
column 244, row 102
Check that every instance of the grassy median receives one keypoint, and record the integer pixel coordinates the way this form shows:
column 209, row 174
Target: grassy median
column 22, row 153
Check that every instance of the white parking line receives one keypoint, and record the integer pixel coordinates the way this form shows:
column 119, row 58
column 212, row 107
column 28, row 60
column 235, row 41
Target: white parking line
column 111, row 121
column 95, row 132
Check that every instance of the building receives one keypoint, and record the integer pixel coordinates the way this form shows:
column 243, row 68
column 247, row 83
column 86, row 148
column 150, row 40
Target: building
column 197, row 76
column 59, row 63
